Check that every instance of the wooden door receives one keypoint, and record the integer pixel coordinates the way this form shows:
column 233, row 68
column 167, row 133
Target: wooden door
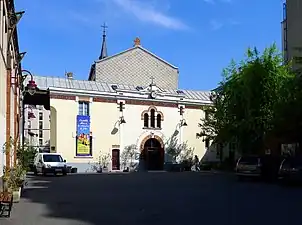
column 115, row 159
column 155, row 159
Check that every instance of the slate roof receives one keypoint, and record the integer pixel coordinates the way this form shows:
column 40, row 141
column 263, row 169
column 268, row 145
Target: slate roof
column 135, row 47
column 44, row 82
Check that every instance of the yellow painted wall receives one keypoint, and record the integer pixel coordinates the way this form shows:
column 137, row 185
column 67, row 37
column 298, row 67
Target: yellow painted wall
column 66, row 127
column 193, row 118
column 103, row 120
column 104, row 117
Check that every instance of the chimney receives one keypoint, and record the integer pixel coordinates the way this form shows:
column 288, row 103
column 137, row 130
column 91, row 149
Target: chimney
column 69, row 75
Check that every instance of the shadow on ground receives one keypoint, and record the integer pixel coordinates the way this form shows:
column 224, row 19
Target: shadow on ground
column 155, row 198
column 137, row 198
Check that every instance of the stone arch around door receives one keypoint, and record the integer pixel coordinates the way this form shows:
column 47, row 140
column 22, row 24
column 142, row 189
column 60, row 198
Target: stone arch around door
column 149, row 137
column 152, row 154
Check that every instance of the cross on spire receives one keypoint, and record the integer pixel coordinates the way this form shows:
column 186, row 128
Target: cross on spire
column 104, row 45
column 104, row 26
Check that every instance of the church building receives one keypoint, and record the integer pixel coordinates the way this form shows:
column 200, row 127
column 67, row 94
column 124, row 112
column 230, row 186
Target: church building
column 130, row 112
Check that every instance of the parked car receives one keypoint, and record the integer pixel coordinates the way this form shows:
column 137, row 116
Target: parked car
column 248, row 166
column 291, row 170
column 50, row 163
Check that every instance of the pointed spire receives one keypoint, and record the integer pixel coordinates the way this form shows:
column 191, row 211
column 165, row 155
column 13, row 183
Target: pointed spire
column 104, row 46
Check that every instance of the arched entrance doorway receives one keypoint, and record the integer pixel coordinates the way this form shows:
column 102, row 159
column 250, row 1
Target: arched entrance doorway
column 153, row 154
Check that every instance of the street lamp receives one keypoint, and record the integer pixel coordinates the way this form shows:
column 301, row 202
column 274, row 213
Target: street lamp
column 31, row 87
column 122, row 120
column 183, row 123
column 121, row 107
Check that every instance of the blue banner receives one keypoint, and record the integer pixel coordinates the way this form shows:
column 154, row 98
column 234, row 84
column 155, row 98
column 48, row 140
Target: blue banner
column 83, row 144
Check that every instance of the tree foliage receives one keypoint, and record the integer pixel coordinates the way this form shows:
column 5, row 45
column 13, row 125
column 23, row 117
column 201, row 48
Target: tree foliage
column 25, row 154
column 178, row 152
column 129, row 155
column 249, row 103
column 289, row 118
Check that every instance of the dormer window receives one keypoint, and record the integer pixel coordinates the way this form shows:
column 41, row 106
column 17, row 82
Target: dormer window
column 152, row 118
column 139, row 88
column 114, row 87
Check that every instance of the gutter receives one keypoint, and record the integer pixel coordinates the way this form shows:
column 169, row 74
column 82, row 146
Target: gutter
column 117, row 96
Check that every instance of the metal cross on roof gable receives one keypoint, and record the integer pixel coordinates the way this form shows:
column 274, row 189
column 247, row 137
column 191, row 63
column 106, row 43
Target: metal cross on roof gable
column 137, row 41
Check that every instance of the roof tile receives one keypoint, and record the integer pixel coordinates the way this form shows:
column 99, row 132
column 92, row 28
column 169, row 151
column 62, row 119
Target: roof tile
column 44, row 82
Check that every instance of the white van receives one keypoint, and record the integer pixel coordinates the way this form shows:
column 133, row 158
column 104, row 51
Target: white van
column 49, row 163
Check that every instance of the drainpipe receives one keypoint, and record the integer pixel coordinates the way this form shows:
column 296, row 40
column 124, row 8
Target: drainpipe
column 17, row 107
column 8, row 106
column 13, row 19
column 17, row 111
column 23, row 123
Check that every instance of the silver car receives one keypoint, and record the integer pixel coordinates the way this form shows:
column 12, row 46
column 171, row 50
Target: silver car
column 248, row 166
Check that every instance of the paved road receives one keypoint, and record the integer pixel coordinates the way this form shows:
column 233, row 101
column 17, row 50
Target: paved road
column 155, row 198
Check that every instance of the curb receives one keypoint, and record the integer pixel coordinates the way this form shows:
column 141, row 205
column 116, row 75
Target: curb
column 216, row 172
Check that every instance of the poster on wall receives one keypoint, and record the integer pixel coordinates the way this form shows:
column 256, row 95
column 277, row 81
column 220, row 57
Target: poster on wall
column 83, row 140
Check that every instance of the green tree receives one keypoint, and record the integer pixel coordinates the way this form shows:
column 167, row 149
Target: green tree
column 289, row 118
column 26, row 156
column 246, row 104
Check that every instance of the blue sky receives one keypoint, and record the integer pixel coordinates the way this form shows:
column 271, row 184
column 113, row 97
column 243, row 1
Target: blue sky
column 198, row 36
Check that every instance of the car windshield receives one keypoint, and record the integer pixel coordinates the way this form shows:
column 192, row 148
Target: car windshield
column 249, row 160
column 52, row 158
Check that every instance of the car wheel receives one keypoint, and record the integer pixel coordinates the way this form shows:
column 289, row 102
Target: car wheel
column 43, row 172
column 64, row 174
column 35, row 171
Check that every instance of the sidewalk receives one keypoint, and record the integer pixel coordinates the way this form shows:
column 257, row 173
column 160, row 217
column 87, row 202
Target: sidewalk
column 216, row 171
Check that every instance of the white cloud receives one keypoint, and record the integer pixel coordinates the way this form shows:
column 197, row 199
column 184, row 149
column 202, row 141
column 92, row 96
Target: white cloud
column 113, row 12
column 215, row 25
column 209, row 1
column 234, row 22
column 79, row 17
column 147, row 12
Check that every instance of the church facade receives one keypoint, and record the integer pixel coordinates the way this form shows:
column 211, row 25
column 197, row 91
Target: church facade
column 130, row 108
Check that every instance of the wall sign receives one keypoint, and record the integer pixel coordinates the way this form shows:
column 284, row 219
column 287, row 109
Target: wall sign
column 83, row 139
